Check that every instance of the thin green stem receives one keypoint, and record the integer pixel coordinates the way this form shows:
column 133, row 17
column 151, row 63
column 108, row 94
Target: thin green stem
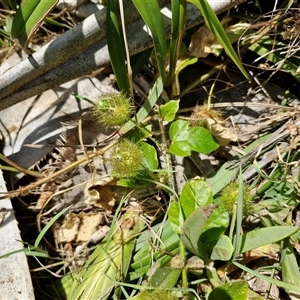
column 178, row 21
column 203, row 78
column 211, row 274
column 129, row 69
column 184, row 271
column 211, row 91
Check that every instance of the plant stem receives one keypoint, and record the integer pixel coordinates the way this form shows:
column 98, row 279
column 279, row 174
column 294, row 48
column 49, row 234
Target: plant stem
column 184, row 271
column 177, row 30
column 202, row 79
column 212, row 274
column 129, row 69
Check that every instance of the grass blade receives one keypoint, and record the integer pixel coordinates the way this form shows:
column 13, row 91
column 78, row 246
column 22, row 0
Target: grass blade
column 214, row 25
column 49, row 224
column 147, row 106
column 29, row 16
column 239, row 216
column 116, row 49
column 278, row 283
column 150, row 12
column 110, row 261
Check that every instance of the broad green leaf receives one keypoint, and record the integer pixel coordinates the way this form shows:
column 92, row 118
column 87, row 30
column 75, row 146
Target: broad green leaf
column 165, row 277
column 180, row 148
column 150, row 156
column 222, row 249
column 290, row 270
column 213, row 23
column 116, row 49
column 195, row 193
column 175, row 216
column 264, row 236
column 216, row 224
column 168, row 111
column 201, row 140
column 178, row 132
column 185, row 139
column 28, row 18
column 234, row 290
column 195, row 266
column 162, row 279
column 191, row 232
column 150, row 12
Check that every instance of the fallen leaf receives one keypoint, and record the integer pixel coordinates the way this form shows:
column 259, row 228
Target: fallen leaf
column 204, row 42
column 69, row 229
column 98, row 193
column 88, row 226
column 220, row 132
column 79, row 227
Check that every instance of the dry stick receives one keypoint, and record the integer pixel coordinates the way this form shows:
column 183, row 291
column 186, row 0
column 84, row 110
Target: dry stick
column 129, row 69
column 23, row 191
column 244, row 104
column 280, row 134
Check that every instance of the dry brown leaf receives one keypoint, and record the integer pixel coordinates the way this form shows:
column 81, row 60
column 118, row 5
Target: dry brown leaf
column 220, row 132
column 293, row 129
column 89, row 225
column 211, row 119
column 69, row 229
column 204, row 42
column 98, row 193
column 201, row 42
column 78, row 227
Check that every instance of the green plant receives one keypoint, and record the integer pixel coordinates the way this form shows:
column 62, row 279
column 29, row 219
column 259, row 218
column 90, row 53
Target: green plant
column 197, row 224
column 112, row 110
column 229, row 197
column 126, row 159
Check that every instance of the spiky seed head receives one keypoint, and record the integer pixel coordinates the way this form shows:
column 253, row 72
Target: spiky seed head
column 229, row 197
column 112, row 110
column 201, row 113
column 126, row 159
